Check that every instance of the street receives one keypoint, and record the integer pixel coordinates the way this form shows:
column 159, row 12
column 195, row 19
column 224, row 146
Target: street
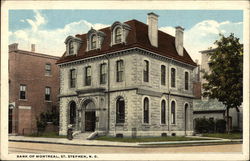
column 38, row 148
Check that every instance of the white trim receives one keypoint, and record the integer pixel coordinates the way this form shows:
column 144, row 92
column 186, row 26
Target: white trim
column 24, row 107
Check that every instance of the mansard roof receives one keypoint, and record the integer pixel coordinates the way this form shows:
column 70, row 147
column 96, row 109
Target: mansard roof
column 137, row 37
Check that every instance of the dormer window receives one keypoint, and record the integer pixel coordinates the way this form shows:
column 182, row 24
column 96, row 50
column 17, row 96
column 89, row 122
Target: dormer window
column 72, row 45
column 118, row 35
column 93, row 41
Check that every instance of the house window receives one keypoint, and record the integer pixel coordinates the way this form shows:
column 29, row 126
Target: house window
column 118, row 35
column 72, row 78
column 93, row 42
column 88, row 76
column 71, row 48
column 146, row 111
column 186, row 80
column 163, row 112
column 22, row 92
column 173, row 112
column 119, row 70
column 173, row 77
column 163, row 75
column 47, row 69
column 145, row 71
column 103, row 73
column 120, row 110
column 72, row 113
column 47, row 93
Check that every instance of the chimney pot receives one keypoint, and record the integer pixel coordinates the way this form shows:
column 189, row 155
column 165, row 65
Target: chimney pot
column 152, row 21
column 33, row 47
column 179, row 40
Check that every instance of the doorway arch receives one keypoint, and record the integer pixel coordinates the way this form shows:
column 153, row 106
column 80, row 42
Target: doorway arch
column 89, row 116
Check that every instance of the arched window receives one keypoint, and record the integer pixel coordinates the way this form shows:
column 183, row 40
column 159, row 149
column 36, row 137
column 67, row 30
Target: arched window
column 120, row 110
column 72, row 113
column 173, row 77
column 145, row 71
column 93, row 42
column 163, row 75
column 118, row 35
column 146, row 110
column 163, row 112
column 186, row 80
column 173, row 112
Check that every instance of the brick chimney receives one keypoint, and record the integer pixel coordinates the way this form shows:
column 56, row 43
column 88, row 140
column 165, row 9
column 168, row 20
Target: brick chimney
column 33, row 47
column 179, row 40
column 152, row 21
column 13, row 47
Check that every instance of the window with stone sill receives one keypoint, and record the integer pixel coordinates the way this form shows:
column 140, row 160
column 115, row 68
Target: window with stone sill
column 120, row 111
column 72, row 113
column 103, row 73
column 87, row 76
column 145, row 111
column 47, row 94
column 22, row 92
column 47, row 69
column 186, row 80
column 119, row 70
column 173, row 106
column 173, row 77
column 72, row 78
column 145, row 71
column 163, row 112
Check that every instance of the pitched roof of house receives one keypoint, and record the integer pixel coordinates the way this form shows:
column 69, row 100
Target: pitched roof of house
column 137, row 37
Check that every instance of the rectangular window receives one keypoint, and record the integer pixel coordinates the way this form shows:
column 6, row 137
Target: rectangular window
column 47, row 69
column 186, row 80
column 71, row 48
column 119, row 71
column 146, row 71
column 163, row 75
column 87, row 76
column 103, row 73
column 22, row 92
column 47, row 93
column 173, row 79
column 72, row 78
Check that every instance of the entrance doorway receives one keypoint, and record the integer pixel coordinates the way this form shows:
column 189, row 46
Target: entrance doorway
column 10, row 120
column 90, row 119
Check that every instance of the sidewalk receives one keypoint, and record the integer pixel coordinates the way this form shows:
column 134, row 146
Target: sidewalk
column 119, row 144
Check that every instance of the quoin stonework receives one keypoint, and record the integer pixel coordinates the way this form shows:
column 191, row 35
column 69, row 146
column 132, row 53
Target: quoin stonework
column 129, row 79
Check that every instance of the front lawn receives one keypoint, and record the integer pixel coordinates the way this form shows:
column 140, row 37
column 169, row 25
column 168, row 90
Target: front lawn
column 225, row 135
column 147, row 139
column 47, row 135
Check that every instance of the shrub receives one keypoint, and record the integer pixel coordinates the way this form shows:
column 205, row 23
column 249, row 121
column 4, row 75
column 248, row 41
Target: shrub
column 220, row 125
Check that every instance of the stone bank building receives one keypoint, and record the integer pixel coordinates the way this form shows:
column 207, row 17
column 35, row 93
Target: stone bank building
column 125, row 80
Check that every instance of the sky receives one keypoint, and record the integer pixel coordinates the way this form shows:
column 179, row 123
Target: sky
column 48, row 29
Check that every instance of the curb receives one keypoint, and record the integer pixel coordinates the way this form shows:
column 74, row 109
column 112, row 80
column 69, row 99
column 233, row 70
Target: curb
column 139, row 145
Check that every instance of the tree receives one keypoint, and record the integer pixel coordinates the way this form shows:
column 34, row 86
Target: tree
column 225, row 79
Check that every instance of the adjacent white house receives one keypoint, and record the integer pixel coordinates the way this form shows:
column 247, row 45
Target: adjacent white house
column 127, row 79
